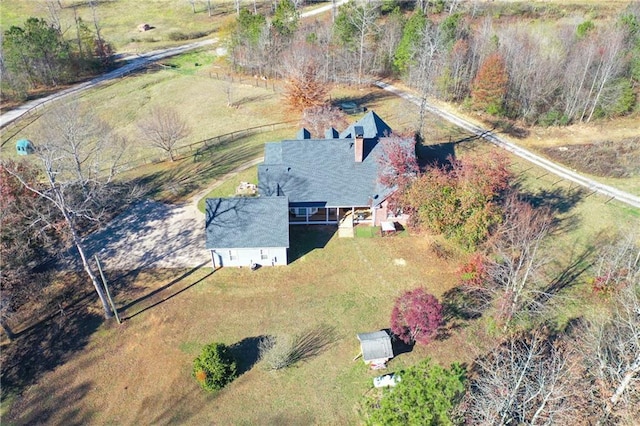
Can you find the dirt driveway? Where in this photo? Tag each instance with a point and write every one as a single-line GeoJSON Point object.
{"type": "Point", "coordinates": [151, 234]}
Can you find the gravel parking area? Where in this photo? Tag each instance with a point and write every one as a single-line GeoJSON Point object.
{"type": "Point", "coordinates": [150, 234]}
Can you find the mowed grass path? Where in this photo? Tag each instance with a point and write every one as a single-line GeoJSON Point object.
{"type": "Point", "coordinates": [140, 372]}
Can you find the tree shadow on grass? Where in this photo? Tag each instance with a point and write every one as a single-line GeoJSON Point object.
{"type": "Point", "coordinates": [247, 352]}
{"type": "Point", "coordinates": [558, 200]}
{"type": "Point", "coordinates": [59, 406]}
{"type": "Point", "coordinates": [159, 295]}
{"type": "Point", "coordinates": [460, 305]}
{"type": "Point", "coordinates": [45, 346]}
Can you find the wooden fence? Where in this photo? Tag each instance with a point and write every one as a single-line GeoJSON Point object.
{"type": "Point", "coordinates": [197, 149]}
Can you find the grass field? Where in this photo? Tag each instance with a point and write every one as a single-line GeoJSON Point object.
{"type": "Point", "coordinates": [140, 372]}
{"type": "Point", "coordinates": [119, 20]}
{"type": "Point", "coordinates": [87, 371]}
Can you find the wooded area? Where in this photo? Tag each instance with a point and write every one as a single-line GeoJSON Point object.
{"type": "Point", "coordinates": [548, 72]}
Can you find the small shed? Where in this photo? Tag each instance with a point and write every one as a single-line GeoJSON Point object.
{"type": "Point", "coordinates": [376, 348]}
{"type": "Point", "coordinates": [24, 147]}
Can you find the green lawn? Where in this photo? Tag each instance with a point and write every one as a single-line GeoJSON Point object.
{"type": "Point", "coordinates": [228, 187]}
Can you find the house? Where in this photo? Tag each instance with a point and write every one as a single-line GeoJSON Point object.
{"type": "Point", "coordinates": [376, 348]}
{"type": "Point", "coordinates": [243, 231]}
{"type": "Point", "coordinates": [330, 181]}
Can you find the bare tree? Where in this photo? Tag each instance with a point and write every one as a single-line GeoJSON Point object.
{"type": "Point", "coordinates": [163, 129]}
{"type": "Point", "coordinates": [525, 380]}
{"type": "Point", "coordinates": [355, 23]}
{"type": "Point", "coordinates": [514, 266]}
{"type": "Point", "coordinates": [78, 155]}
{"type": "Point", "coordinates": [321, 118]}
{"type": "Point", "coordinates": [610, 344]}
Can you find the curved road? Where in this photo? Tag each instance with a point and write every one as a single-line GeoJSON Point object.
{"type": "Point", "coordinates": [550, 166]}
{"type": "Point", "coordinates": [134, 62]}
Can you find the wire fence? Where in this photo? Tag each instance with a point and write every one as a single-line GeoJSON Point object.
{"type": "Point", "coordinates": [197, 149]}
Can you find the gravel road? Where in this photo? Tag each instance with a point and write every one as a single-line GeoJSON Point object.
{"type": "Point", "coordinates": [550, 166]}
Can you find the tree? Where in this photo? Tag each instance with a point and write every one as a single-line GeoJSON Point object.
{"type": "Point", "coordinates": [416, 317]}
{"type": "Point", "coordinates": [285, 18]}
{"type": "Point", "coordinates": [318, 119]}
{"type": "Point", "coordinates": [353, 25]}
{"type": "Point", "coordinates": [513, 268]}
{"type": "Point", "coordinates": [426, 395]}
{"type": "Point", "coordinates": [610, 343]}
{"type": "Point", "coordinates": [36, 51]}
{"type": "Point", "coordinates": [163, 129]}
{"type": "Point", "coordinates": [407, 47]}
{"type": "Point", "coordinates": [304, 86]}
{"type": "Point", "coordinates": [524, 380]}
{"type": "Point", "coordinates": [248, 37]}
{"type": "Point", "coordinates": [78, 156]}
{"type": "Point", "coordinates": [397, 160]}
{"type": "Point", "coordinates": [617, 265]}
{"type": "Point", "coordinates": [28, 232]}
{"type": "Point", "coordinates": [462, 201]}
{"type": "Point", "coordinates": [490, 85]}
{"type": "Point", "coordinates": [214, 368]}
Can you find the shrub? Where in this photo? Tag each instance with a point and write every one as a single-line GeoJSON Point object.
{"type": "Point", "coordinates": [426, 395]}
{"type": "Point", "coordinates": [178, 36]}
{"type": "Point", "coordinates": [284, 351]}
{"type": "Point", "coordinates": [215, 367]}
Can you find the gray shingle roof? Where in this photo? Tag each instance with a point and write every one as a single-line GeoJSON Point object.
{"type": "Point", "coordinates": [323, 171]}
{"type": "Point", "coordinates": [372, 125]}
{"type": "Point", "coordinates": [247, 222]}
{"type": "Point", "coordinates": [375, 345]}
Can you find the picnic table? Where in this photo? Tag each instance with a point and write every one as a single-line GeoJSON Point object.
{"type": "Point", "coordinates": [388, 228]}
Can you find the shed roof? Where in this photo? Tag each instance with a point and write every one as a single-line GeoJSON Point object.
{"type": "Point", "coordinates": [375, 345]}
{"type": "Point", "coordinates": [247, 222]}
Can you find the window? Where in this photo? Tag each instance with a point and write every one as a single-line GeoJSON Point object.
{"type": "Point", "coordinates": [233, 255]}
{"type": "Point", "coordinates": [264, 255]}
{"type": "Point", "coordinates": [302, 211]}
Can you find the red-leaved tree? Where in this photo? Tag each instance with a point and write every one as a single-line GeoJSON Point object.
{"type": "Point", "coordinates": [416, 317]}
{"type": "Point", "coordinates": [397, 164]}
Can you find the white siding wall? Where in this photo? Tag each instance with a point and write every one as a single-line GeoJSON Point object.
{"type": "Point", "coordinates": [268, 256]}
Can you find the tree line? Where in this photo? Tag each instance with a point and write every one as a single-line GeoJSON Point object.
{"type": "Point", "coordinates": [543, 72]}
{"type": "Point", "coordinates": [45, 53]}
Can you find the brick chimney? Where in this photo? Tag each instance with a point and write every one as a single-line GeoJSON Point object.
{"type": "Point", "coordinates": [359, 143]}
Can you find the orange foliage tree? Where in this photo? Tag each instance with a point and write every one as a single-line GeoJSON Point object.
{"type": "Point", "coordinates": [304, 86]}
{"type": "Point", "coordinates": [490, 85]}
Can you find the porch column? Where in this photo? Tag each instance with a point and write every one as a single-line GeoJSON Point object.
{"type": "Point", "coordinates": [213, 259]}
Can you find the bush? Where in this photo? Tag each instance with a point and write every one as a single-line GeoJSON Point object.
{"type": "Point", "coordinates": [177, 36]}
{"type": "Point", "coordinates": [426, 395]}
{"type": "Point", "coordinates": [215, 367]}
{"type": "Point", "coordinates": [284, 351]}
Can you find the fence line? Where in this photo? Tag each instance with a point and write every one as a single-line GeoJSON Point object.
{"type": "Point", "coordinates": [198, 148]}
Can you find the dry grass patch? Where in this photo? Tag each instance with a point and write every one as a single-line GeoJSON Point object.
{"type": "Point", "coordinates": [141, 371]}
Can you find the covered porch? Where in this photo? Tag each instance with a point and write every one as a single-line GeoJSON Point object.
{"type": "Point", "coordinates": [316, 215]}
